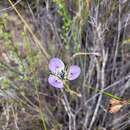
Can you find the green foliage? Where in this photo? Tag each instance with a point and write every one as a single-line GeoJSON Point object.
{"type": "Point", "coordinates": [94, 34]}
{"type": "Point", "coordinates": [4, 82]}
{"type": "Point", "coordinates": [72, 26]}
{"type": "Point", "coordinates": [19, 61]}
{"type": "Point", "coordinates": [66, 21]}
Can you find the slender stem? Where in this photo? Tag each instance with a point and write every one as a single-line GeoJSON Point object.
{"type": "Point", "coordinates": [84, 54]}
{"type": "Point", "coordinates": [30, 30]}
{"type": "Point", "coordinates": [67, 88]}
{"type": "Point", "coordinates": [40, 107]}
{"type": "Point", "coordinates": [3, 65]}
{"type": "Point", "coordinates": [106, 93]}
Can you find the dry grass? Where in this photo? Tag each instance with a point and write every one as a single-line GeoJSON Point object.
{"type": "Point", "coordinates": [95, 34]}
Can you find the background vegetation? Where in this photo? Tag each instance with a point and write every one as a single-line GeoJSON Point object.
{"type": "Point", "coordinates": [94, 34]}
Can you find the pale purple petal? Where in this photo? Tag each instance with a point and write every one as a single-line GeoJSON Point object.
{"type": "Point", "coordinates": [55, 81]}
{"type": "Point", "coordinates": [74, 72]}
{"type": "Point", "coordinates": [55, 64]}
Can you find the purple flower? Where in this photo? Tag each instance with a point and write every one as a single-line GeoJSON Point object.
{"type": "Point", "coordinates": [55, 64]}
{"type": "Point", "coordinates": [55, 81]}
{"type": "Point", "coordinates": [59, 74]}
{"type": "Point", "coordinates": [74, 72]}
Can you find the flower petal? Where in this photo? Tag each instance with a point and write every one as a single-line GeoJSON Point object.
{"type": "Point", "coordinates": [55, 81]}
{"type": "Point", "coordinates": [74, 72]}
{"type": "Point", "coordinates": [55, 64]}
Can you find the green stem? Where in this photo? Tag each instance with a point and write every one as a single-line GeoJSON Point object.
{"type": "Point", "coordinates": [40, 107]}
{"type": "Point", "coordinates": [67, 88]}
{"type": "Point", "coordinates": [3, 65]}
{"type": "Point", "coordinates": [109, 94]}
